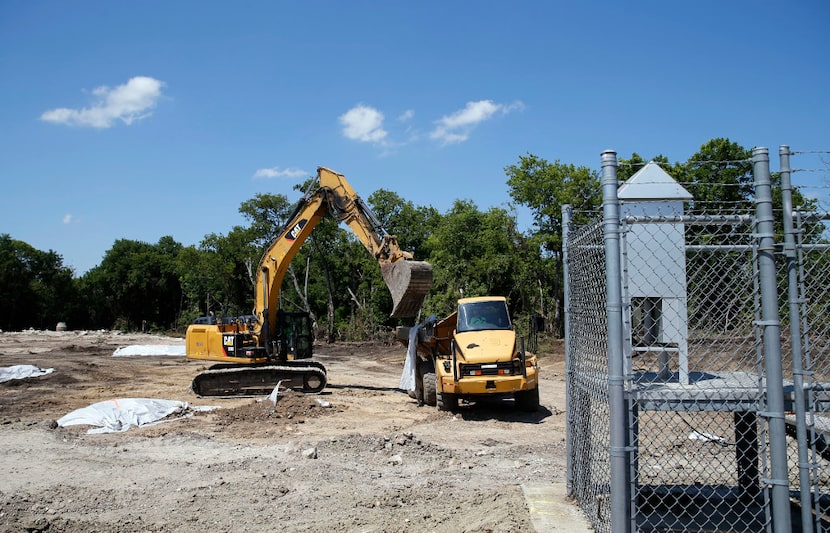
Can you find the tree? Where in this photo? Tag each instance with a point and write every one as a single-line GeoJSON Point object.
{"type": "Point", "coordinates": [136, 286]}
{"type": "Point", "coordinates": [35, 288]}
{"type": "Point", "coordinates": [544, 188]}
{"type": "Point", "coordinates": [267, 214]}
{"type": "Point", "coordinates": [719, 177]}
{"type": "Point", "coordinates": [411, 224]}
{"type": "Point", "coordinates": [628, 167]}
{"type": "Point", "coordinates": [473, 255]}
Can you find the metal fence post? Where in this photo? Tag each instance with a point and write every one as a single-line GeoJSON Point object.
{"type": "Point", "coordinates": [795, 339]}
{"type": "Point", "coordinates": [621, 514]}
{"type": "Point", "coordinates": [772, 341]}
{"type": "Point", "coordinates": [566, 226]}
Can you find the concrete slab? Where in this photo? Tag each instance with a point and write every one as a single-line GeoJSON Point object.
{"type": "Point", "coordinates": [551, 510]}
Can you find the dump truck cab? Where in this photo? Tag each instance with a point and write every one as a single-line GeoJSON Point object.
{"type": "Point", "coordinates": [475, 353]}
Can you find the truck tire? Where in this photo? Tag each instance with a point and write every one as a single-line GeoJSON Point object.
{"type": "Point", "coordinates": [446, 401]}
{"type": "Point", "coordinates": [426, 372]}
{"type": "Point", "coordinates": [429, 388]}
{"type": "Point", "coordinates": [527, 400]}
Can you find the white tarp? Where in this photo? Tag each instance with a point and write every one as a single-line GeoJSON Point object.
{"type": "Point", "coordinates": [113, 416]}
{"type": "Point", "coordinates": [408, 375]}
{"type": "Point", "coordinates": [707, 437]}
{"type": "Point", "coordinates": [22, 371]}
{"type": "Point", "coordinates": [150, 349]}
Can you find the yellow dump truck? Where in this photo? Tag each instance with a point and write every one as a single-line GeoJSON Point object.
{"type": "Point", "coordinates": [471, 354]}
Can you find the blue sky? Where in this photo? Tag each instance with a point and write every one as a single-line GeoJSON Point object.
{"type": "Point", "coordinates": [136, 120]}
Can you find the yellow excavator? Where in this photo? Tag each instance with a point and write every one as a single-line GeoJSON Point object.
{"type": "Point", "coordinates": [272, 346]}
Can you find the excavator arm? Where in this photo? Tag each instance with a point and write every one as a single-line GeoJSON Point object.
{"type": "Point", "coordinates": [408, 281]}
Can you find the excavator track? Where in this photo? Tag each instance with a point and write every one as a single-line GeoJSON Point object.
{"type": "Point", "coordinates": [229, 380]}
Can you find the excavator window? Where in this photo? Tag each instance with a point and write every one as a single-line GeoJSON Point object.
{"type": "Point", "coordinates": [294, 335]}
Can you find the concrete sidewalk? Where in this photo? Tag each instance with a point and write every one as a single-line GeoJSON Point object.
{"type": "Point", "coordinates": [551, 510]}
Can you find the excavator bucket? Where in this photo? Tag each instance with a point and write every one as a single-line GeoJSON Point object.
{"type": "Point", "coordinates": [409, 282]}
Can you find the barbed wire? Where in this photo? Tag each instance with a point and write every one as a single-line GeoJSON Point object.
{"type": "Point", "coordinates": [662, 164]}
{"type": "Point", "coordinates": [699, 184]}
{"type": "Point", "coordinates": [728, 161]}
{"type": "Point", "coordinates": [724, 161]}
{"type": "Point", "coordinates": [811, 187]}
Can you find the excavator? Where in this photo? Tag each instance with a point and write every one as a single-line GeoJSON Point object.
{"type": "Point", "coordinates": [272, 347]}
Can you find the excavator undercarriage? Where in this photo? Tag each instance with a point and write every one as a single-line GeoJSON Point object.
{"type": "Point", "coordinates": [260, 379]}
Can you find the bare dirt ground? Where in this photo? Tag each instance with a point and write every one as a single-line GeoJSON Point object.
{"type": "Point", "coordinates": [373, 460]}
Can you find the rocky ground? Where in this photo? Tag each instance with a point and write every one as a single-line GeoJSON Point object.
{"type": "Point", "coordinates": [365, 457]}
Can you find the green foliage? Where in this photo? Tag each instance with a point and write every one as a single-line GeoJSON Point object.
{"type": "Point", "coordinates": [480, 252]}
{"type": "Point", "coordinates": [719, 176]}
{"type": "Point", "coordinates": [411, 224]}
{"type": "Point", "coordinates": [35, 288]}
{"type": "Point", "coordinates": [628, 167]}
{"type": "Point", "coordinates": [136, 286]}
{"type": "Point", "coordinates": [545, 188]}
{"type": "Point", "coordinates": [267, 214]}
{"type": "Point", "coordinates": [473, 255]}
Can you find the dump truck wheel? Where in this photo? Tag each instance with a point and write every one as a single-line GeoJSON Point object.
{"type": "Point", "coordinates": [528, 400]}
{"type": "Point", "coordinates": [446, 401]}
{"type": "Point", "coordinates": [429, 389]}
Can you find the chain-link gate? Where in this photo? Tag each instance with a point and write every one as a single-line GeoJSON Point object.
{"type": "Point", "coordinates": [722, 412]}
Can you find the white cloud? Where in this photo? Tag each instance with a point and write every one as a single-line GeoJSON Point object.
{"type": "Point", "coordinates": [129, 102]}
{"type": "Point", "coordinates": [67, 218]}
{"type": "Point", "coordinates": [363, 123]}
{"type": "Point", "coordinates": [275, 172]}
{"type": "Point", "coordinates": [456, 127]}
{"type": "Point", "coordinates": [406, 115]}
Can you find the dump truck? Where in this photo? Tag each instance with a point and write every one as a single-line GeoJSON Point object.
{"type": "Point", "coordinates": [472, 354]}
{"type": "Point", "coordinates": [256, 352]}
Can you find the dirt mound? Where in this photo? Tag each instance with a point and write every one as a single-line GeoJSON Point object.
{"type": "Point", "coordinates": [291, 408]}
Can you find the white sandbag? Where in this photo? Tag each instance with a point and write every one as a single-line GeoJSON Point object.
{"type": "Point", "coordinates": [112, 416]}
{"type": "Point", "coordinates": [150, 349]}
{"type": "Point", "coordinates": [22, 371]}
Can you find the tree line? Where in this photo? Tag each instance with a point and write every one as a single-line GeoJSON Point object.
{"type": "Point", "coordinates": [474, 251]}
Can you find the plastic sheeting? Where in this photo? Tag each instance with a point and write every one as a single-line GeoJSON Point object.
{"type": "Point", "coordinates": [113, 416]}
{"type": "Point", "coordinates": [150, 349]}
{"type": "Point", "coordinates": [408, 375]}
{"type": "Point", "coordinates": [22, 371]}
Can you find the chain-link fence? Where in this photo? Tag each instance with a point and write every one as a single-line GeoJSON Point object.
{"type": "Point", "coordinates": [809, 428]}
{"type": "Point", "coordinates": [695, 403]}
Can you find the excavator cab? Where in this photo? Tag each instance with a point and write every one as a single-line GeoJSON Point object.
{"type": "Point", "coordinates": [294, 339]}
